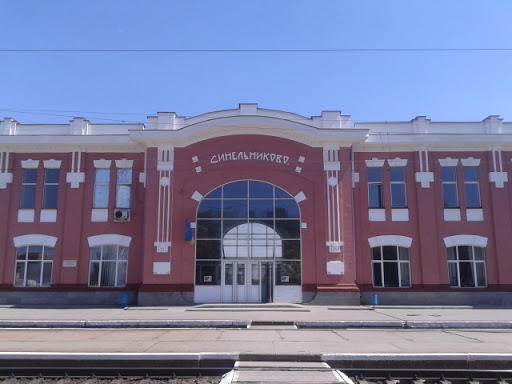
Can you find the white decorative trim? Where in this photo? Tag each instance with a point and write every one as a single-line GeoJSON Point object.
{"type": "Point", "coordinates": [193, 224]}
{"type": "Point", "coordinates": [425, 178]}
{"type": "Point", "coordinates": [448, 162]}
{"type": "Point", "coordinates": [475, 240]}
{"type": "Point", "coordinates": [162, 246]}
{"type": "Point", "coordinates": [48, 216]}
{"type": "Point", "coordinates": [475, 214]}
{"type": "Point", "coordinates": [161, 268]}
{"type": "Point", "coordinates": [399, 214]}
{"type": "Point", "coordinates": [99, 215]}
{"type": "Point", "coordinates": [498, 178]}
{"type": "Point", "coordinates": [5, 178]}
{"type": "Point", "coordinates": [5, 175]}
{"type": "Point", "coordinates": [470, 162]}
{"type": "Point", "coordinates": [195, 159]}
{"type": "Point", "coordinates": [29, 164]}
{"type": "Point", "coordinates": [332, 166]}
{"type": "Point", "coordinates": [398, 240]}
{"type": "Point", "coordinates": [124, 163]}
{"type": "Point", "coordinates": [452, 214]}
{"type": "Point", "coordinates": [397, 162]}
{"type": "Point", "coordinates": [102, 163]}
{"type": "Point", "coordinates": [355, 179]}
{"type": "Point", "coordinates": [26, 215]}
{"type": "Point", "coordinates": [377, 214]}
{"type": "Point", "coordinates": [197, 196]}
{"type": "Point", "coordinates": [302, 159]}
{"type": "Point", "coordinates": [299, 197]}
{"type": "Point", "coordinates": [75, 178]}
{"type": "Point", "coordinates": [374, 162]}
{"type": "Point", "coordinates": [335, 267]}
{"type": "Point", "coordinates": [199, 169]}
{"type": "Point", "coordinates": [298, 169]}
{"type": "Point", "coordinates": [165, 181]}
{"type": "Point", "coordinates": [52, 164]}
{"type": "Point", "coordinates": [303, 225]}
{"type": "Point", "coordinates": [109, 239]}
{"type": "Point", "coordinates": [165, 159]}
{"type": "Point", "coordinates": [165, 166]}
{"type": "Point", "coordinates": [34, 239]}
{"type": "Point", "coordinates": [334, 246]}
{"type": "Point", "coordinates": [142, 178]}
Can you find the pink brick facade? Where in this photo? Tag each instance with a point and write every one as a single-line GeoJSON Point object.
{"type": "Point", "coordinates": [282, 208]}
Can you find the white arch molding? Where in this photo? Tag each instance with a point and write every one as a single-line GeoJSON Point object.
{"type": "Point", "coordinates": [478, 241]}
{"type": "Point", "coordinates": [401, 241]}
{"type": "Point", "coordinates": [35, 239]}
{"type": "Point", "coordinates": [107, 239]}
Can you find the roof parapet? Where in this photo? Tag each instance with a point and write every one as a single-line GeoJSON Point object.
{"type": "Point", "coordinates": [420, 124]}
{"type": "Point", "coordinates": [8, 126]}
{"type": "Point", "coordinates": [493, 124]}
{"type": "Point", "coordinates": [79, 126]}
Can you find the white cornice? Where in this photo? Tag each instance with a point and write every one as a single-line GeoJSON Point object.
{"type": "Point", "coordinates": [251, 125]}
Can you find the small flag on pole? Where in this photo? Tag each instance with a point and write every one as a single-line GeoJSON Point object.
{"type": "Point", "coordinates": [188, 233]}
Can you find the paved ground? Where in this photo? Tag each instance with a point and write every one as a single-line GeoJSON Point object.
{"type": "Point", "coordinates": [460, 337]}
{"type": "Point", "coordinates": [258, 329]}
{"type": "Point", "coordinates": [266, 313]}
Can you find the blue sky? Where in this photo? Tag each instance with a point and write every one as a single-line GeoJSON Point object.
{"type": "Point", "coordinates": [39, 86]}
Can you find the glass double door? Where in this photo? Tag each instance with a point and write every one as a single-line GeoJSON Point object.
{"type": "Point", "coordinates": [247, 281]}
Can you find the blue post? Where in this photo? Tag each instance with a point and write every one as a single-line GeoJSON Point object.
{"type": "Point", "coordinates": [374, 299]}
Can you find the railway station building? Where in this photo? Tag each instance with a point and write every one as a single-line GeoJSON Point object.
{"type": "Point", "coordinates": [253, 205]}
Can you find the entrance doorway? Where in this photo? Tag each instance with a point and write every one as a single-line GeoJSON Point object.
{"type": "Point", "coordinates": [248, 246]}
{"type": "Point", "coordinates": [247, 282]}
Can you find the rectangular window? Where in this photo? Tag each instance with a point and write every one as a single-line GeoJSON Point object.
{"type": "Point", "coordinates": [28, 189]}
{"type": "Point", "coordinates": [124, 188]}
{"type": "Point", "coordinates": [390, 266]}
{"type": "Point", "coordinates": [101, 186]}
{"type": "Point", "coordinates": [51, 188]}
{"type": "Point", "coordinates": [108, 266]}
{"type": "Point", "coordinates": [466, 267]}
{"type": "Point", "coordinates": [449, 180]}
{"type": "Point", "coordinates": [375, 197]}
{"type": "Point", "coordinates": [397, 179]}
{"type": "Point", "coordinates": [471, 187]}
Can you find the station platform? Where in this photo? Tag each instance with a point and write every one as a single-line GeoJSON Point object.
{"type": "Point", "coordinates": [246, 315]}
{"type": "Point", "coordinates": [224, 335]}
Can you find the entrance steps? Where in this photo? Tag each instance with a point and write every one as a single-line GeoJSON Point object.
{"type": "Point", "coordinates": [252, 372]}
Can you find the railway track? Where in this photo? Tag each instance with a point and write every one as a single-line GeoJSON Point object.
{"type": "Point", "coordinates": [204, 368]}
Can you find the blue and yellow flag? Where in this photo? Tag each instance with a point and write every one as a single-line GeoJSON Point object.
{"type": "Point", "coordinates": [188, 233]}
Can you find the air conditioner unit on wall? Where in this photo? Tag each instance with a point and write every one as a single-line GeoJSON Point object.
{"type": "Point", "coordinates": [121, 214]}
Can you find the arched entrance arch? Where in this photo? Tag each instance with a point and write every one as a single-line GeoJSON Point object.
{"type": "Point", "coordinates": [248, 245]}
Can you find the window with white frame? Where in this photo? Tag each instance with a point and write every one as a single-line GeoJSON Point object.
{"type": "Point", "coordinates": [390, 266]}
{"type": "Point", "coordinates": [108, 266]}
{"type": "Point", "coordinates": [466, 266]}
{"type": "Point", "coordinates": [51, 188]}
{"type": "Point", "coordinates": [398, 194]}
{"type": "Point", "coordinates": [28, 189]}
{"type": "Point", "coordinates": [449, 182]}
{"type": "Point", "coordinates": [124, 188]}
{"type": "Point", "coordinates": [471, 187]}
{"type": "Point", "coordinates": [101, 187]}
{"type": "Point", "coordinates": [375, 196]}
{"type": "Point", "coordinates": [34, 265]}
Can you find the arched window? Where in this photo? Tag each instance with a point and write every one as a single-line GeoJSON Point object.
{"type": "Point", "coordinates": [466, 261]}
{"type": "Point", "coordinates": [390, 261]}
{"type": "Point", "coordinates": [34, 260]}
{"type": "Point", "coordinates": [108, 260]}
{"type": "Point", "coordinates": [247, 220]}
